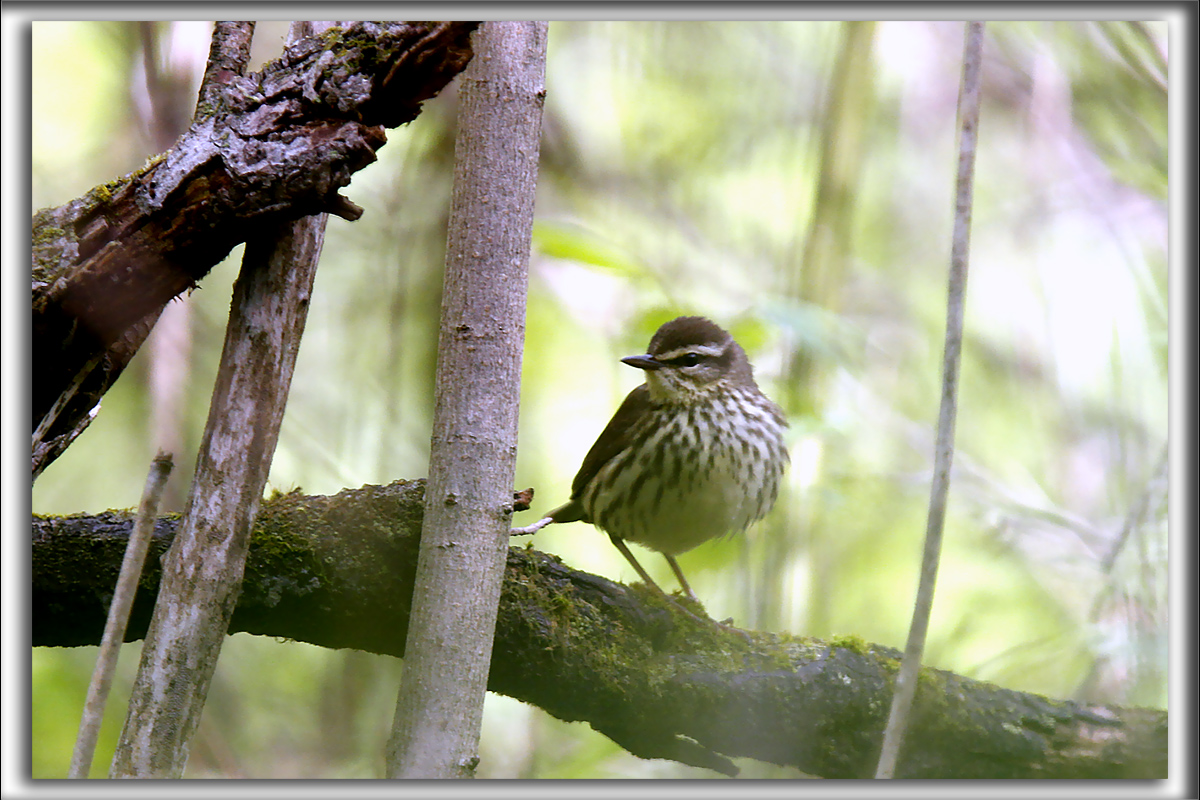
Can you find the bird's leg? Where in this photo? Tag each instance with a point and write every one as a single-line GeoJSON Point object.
{"type": "Point", "coordinates": [534, 528]}
{"type": "Point", "coordinates": [645, 576]}
{"type": "Point", "coordinates": [679, 574]}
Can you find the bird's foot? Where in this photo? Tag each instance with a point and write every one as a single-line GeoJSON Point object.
{"type": "Point", "coordinates": [703, 619]}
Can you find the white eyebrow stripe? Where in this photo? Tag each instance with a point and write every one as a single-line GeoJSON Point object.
{"type": "Point", "coordinates": [698, 349]}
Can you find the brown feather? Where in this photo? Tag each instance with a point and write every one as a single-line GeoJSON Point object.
{"type": "Point", "coordinates": [613, 439]}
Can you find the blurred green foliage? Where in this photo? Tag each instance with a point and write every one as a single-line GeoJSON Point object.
{"type": "Point", "coordinates": [794, 182]}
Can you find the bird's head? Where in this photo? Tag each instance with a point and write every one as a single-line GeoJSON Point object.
{"type": "Point", "coordinates": [690, 358]}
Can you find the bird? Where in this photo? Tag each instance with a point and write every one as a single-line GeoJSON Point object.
{"type": "Point", "coordinates": [695, 452]}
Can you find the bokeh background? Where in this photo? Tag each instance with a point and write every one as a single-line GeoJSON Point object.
{"type": "Point", "coordinates": [791, 180]}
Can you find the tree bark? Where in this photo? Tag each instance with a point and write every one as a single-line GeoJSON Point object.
{"type": "Point", "coordinates": [203, 572]}
{"type": "Point", "coordinates": [473, 454]}
{"type": "Point", "coordinates": [204, 569]}
{"type": "Point", "coordinates": [338, 572]}
{"type": "Point", "coordinates": [271, 148]}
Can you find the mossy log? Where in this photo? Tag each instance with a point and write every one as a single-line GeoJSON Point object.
{"type": "Point", "coordinates": [338, 572]}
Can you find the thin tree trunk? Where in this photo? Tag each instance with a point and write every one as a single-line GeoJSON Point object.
{"type": "Point", "coordinates": [469, 502]}
{"type": "Point", "coordinates": [202, 575]}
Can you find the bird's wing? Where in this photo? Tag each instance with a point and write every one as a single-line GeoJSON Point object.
{"type": "Point", "coordinates": [615, 438]}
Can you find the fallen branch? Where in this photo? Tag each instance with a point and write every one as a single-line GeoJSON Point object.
{"type": "Point", "coordinates": [337, 572]}
{"type": "Point", "coordinates": [267, 148]}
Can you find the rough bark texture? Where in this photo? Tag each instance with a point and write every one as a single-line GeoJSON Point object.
{"type": "Point", "coordinates": [271, 147]}
{"type": "Point", "coordinates": [203, 572]}
{"type": "Point", "coordinates": [473, 454]}
{"type": "Point", "coordinates": [338, 571]}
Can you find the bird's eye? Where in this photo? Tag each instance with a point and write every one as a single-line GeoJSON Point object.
{"type": "Point", "coordinates": [686, 360]}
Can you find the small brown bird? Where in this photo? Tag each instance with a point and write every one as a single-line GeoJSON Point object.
{"type": "Point", "coordinates": [693, 453]}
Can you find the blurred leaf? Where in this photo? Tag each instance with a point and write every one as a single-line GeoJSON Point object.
{"type": "Point", "coordinates": [576, 243]}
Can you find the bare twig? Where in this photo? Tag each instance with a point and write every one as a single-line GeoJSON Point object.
{"type": "Point", "coordinates": [1137, 513]}
{"type": "Point", "coordinates": [906, 680]}
{"type": "Point", "coordinates": [118, 617]}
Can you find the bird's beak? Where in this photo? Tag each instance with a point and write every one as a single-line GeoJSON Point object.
{"type": "Point", "coordinates": [649, 363]}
